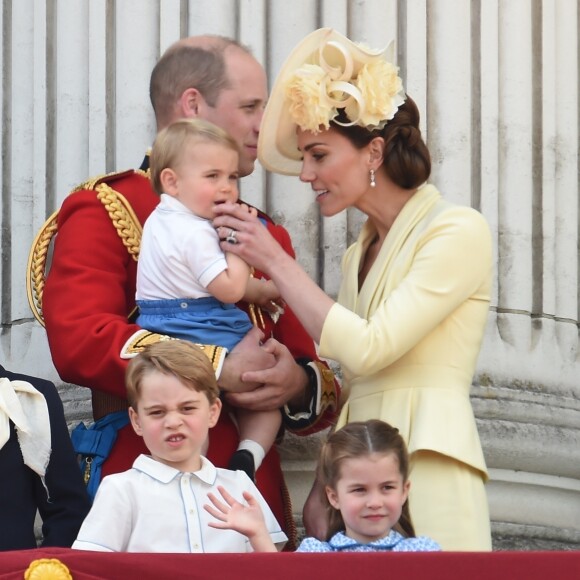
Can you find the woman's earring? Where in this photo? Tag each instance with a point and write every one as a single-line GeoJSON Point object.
{"type": "Point", "coordinates": [372, 178]}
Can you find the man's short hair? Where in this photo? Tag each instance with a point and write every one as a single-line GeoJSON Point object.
{"type": "Point", "coordinates": [187, 64]}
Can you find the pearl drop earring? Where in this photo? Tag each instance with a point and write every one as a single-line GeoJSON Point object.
{"type": "Point", "coordinates": [372, 178]}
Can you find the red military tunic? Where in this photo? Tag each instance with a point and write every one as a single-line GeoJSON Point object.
{"type": "Point", "coordinates": [88, 297]}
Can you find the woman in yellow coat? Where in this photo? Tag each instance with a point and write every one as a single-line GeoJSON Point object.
{"type": "Point", "coordinates": [409, 320]}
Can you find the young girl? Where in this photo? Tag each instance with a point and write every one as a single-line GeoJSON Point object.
{"type": "Point", "coordinates": [363, 468]}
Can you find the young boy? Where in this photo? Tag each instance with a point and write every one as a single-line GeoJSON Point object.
{"type": "Point", "coordinates": [186, 286]}
{"type": "Point", "coordinates": [157, 505]}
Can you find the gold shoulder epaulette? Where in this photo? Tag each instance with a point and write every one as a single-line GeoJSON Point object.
{"type": "Point", "coordinates": [120, 213]}
{"type": "Point", "coordinates": [104, 178]}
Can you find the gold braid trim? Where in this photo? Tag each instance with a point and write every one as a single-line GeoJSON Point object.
{"type": "Point", "coordinates": [140, 340]}
{"type": "Point", "coordinates": [123, 217]}
{"type": "Point", "coordinates": [214, 353]}
{"type": "Point", "coordinates": [91, 183]}
{"type": "Point", "coordinates": [143, 338]}
{"type": "Point", "coordinates": [36, 267]}
{"type": "Point", "coordinates": [254, 311]}
{"type": "Point", "coordinates": [328, 395]}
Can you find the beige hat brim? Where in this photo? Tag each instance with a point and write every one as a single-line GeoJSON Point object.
{"type": "Point", "coordinates": [277, 143]}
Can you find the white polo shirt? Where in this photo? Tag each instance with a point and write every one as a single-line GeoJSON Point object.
{"type": "Point", "coordinates": [155, 508]}
{"type": "Point", "coordinates": [180, 253]}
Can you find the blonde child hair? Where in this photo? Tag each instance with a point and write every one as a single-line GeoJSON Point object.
{"type": "Point", "coordinates": [171, 142]}
{"type": "Point", "coordinates": [180, 358]}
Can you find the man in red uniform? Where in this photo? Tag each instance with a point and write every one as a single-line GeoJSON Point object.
{"type": "Point", "coordinates": [89, 294]}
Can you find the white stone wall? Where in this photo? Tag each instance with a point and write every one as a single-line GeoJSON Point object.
{"type": "Point", "coordinates": [497, 82]}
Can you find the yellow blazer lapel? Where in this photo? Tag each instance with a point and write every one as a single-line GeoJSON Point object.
{"type": "Point", "coordinates": [394, 259]}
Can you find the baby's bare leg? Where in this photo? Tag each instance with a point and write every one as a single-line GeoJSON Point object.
{"type": "Point", "coordinates": [259, 426]}
{"type": "Point", "coordinates": [258, 430]}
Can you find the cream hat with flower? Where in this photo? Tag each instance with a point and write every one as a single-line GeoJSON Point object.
{"type": "Point", "coordinates": [326, 72]}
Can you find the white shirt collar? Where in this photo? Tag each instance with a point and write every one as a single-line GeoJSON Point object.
{"type": "Point", "coordinates": [169, 203]}
{"type": "Point", "coordinates": [164, 473]}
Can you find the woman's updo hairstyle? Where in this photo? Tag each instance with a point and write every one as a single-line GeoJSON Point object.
{"type": "Point", "coordinates": [406, 158]}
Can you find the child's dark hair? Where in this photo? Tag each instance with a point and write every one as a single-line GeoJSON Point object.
{"type": "Point", "coordinates": [356, 440]}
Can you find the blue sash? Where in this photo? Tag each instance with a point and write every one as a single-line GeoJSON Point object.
{"type": "Point", "coordinates": [94, 445]}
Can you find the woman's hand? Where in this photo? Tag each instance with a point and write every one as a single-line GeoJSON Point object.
{"type": "Point", "coordinates": [248, 238]}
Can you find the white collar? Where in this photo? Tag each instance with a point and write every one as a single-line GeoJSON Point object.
{"type": "Point", "coordinates": [164, 473]}
{"type": "Point", "coordinates": [172, 204]}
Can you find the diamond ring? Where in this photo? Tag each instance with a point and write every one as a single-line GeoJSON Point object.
{"type": "Point", "coordinates": [231, 237]}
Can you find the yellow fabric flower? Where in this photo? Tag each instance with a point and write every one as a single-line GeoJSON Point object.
{"type": "Point", "coordinates": [309, 106]}
{"type": "Point", "coordinates": [382, 92]}
{"type": "Point", "coordinates": [315, 92]}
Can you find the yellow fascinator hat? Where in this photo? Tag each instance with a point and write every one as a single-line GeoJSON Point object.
{"type": "Point", "coordinates": [325, 73]}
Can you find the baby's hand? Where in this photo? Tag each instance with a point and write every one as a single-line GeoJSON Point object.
{"type": "Point", "coordinates": [251, 210]}
{"type": "Point", "coordinates": [264, 294]}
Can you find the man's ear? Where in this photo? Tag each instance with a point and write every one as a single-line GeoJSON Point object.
{"type": "Point", "coordinates": [135, 422]}
{"type": "Point", "coordinates": [169, 181]}
{"type": "Point", "coordinates": [192, 104]}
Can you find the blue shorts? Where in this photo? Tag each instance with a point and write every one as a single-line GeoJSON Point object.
{"type": "Point", "coordinates": [201, 320]}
